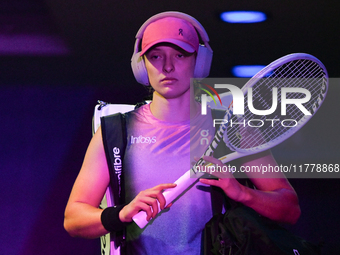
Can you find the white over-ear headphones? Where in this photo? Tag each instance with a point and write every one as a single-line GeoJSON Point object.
{"type": "Point", "coordinates": [204, 54]}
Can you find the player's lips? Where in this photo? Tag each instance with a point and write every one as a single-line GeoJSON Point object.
{"type": "Point", "coordinates": [168, 80]}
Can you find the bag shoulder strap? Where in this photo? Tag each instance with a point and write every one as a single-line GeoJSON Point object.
{"type": "Point", "coordinates": [114, 141]}
{"type": "Point", "coordinates": [218, 198]}
{"type": "Point", "coordinates": [217, 195]}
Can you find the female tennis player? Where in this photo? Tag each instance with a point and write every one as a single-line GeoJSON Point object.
{"type": "Point", "coordinates": [159, 151]}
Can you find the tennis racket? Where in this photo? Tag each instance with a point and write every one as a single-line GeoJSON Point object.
{"type": "Point", "coordinates": [283, 76]}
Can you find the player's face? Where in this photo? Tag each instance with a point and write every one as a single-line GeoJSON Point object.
{"type": "Point", "coordinates": [170, 69]}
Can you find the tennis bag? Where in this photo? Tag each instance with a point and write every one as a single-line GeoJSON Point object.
{"type": "Point", "coordinates": [112, 119]}
{"type": "Point", "coordinates": [242, 231]}
{"type": "Point", "coordinates": [112, 122]}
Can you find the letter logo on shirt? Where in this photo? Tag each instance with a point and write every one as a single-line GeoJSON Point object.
{"type": "Point", "coordinates": [142, 139]}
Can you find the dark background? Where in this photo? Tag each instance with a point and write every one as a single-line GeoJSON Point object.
{"type": "Point", "coordinates": [57, 58]}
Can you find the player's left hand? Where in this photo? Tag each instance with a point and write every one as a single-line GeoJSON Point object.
{"type": "Point", "coordinates": [226, 181]}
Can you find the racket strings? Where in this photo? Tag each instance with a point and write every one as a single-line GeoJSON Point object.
{"type": "Point", "coordinates": [310, 76]}
{"type": "Point", "coordinates": [251, 131]}
{"type": "Point", "coordinates": [298, 69]}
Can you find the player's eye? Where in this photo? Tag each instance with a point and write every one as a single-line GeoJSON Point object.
{"type": "Point", "coordinates": [153, 55]}
{"type": "Point", "coordinates": [183, 54]}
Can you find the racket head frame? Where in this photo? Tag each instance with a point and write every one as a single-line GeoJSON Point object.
{"type": "Point", "coordinates": [316, 105]}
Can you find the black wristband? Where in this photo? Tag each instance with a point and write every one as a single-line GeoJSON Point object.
{"type": "Point", "coordinates": [110, 219]}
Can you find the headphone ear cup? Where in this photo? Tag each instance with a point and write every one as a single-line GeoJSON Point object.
{"type": "Point", "coordinates": [203, 62]}
{"type": "Point", "coordinates": [139, 69]}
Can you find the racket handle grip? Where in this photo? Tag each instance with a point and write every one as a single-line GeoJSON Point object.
{"type": "Point", "coordinates": [170, 195]}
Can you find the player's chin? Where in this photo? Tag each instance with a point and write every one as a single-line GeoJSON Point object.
{"type": "Point", "coordinates": [173, 93]}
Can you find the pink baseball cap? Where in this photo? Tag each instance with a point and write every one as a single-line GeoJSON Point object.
{"type": "Point", "coordinates": [172, 30]}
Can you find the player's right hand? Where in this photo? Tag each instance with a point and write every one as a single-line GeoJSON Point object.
{"type": "Point", "coordinates": [146, 200]}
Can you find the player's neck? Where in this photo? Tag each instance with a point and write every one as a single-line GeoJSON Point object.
{"type": "Point", "coordinates": [173, 110]}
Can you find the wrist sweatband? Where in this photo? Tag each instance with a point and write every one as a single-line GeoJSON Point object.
{"type": "Point", "coordinates": [110, 219]}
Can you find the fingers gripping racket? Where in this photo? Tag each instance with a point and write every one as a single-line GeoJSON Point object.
{"type": "Point", "coordinates": [286, 77]}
